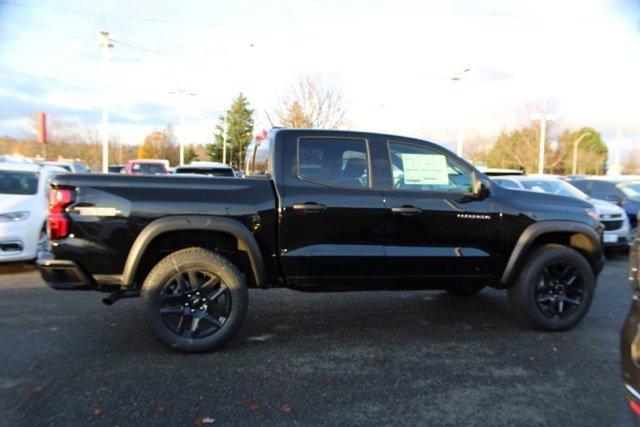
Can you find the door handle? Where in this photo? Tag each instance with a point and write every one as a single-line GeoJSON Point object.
{"type": "Point", "coordinates": [406, 210]}
{"type": "Point", "coordinates": [309, 207]}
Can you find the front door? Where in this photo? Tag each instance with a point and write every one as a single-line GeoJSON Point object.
{"type": "Point", "coordinates": [331, 219]}
{"type": "Point", "coordinates": [439, 227]}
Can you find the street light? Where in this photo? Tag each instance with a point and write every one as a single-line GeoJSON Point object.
{"type": "Point", "coordinates": [543, 118]}
{"type": "Point", "coordinates": [575, 151]}
{"type": "Point", "coordinates": [105, 42]}
{"type": "Point", "coordinates": [185, 95]}
{"type": "Point", "coordinates": [456, 77]}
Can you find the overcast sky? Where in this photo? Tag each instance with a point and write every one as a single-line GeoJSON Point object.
{"type": "Point", "coordinates": [392, 60]}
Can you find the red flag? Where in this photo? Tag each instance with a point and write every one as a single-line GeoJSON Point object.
{"type": "Point", "coordinates": [262, 135]}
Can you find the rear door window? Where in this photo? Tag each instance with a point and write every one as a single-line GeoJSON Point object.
{"type": "Point", "coordinates": [340, 162]}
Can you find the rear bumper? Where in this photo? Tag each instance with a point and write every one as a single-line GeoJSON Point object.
{"type": "Point", "coordinates": [63, 275]}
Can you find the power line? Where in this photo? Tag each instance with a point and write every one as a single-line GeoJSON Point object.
{"type": "Point", "coordinates": [191, 23]}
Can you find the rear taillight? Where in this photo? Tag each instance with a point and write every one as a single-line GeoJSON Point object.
{"type": "Point", "coordinates": [58, 223]}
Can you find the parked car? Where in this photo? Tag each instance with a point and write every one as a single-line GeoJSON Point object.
{"type": "Point", "coordinates": [206, 168]}
{"type": "Point", "coordinates": [320, 211]}
{"type": "Point", "coordinates": [630, 336]}
{"type": "Point", "coordinates": [74, 167]}
{"type": "Point", "coordinates": [116, 168]}
{"type": "Point", "coordinates": [23, 209]}
{"type": "Point", "coordinates": [499, 171]}
{"type": "Point", "coordinates": [624, 192]}
{"type": "Point", "coordinates": [617, 228]}
{"type": "Point", "coordinates": [146, 167]}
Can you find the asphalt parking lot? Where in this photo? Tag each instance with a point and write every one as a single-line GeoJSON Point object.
{"type": "Point", "coordinates": [351, 358]}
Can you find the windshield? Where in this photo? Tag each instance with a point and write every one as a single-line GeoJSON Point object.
{"type": "Point", "coordinates": [560, 188]}
{"type": "Point", "coordinates": [149, 168]}
{"type": "Point", "coordinates": [13, 182]}
{"type": "Point", "coordinates": [631, 190]}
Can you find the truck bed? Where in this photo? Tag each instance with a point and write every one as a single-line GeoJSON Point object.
{"type": "Point", "coordinates": [110, 211]}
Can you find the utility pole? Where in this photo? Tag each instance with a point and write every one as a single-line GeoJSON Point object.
{"type": "Point", "coordinates": [615, 167]}
{"type": "Point", "coordinates": [575, 151]}
{"type": "Point", "coordinates": [185, 96]}
{"type": "Point", "coordinates": [105, 42]}
{"type": "Point", "coordinates": [224, 140]}
{"type": "Point", "coordinates": [543, 118]}
{"type": "Point", "coordinates": [457, 77]}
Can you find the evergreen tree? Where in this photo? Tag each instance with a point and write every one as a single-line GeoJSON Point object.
{"type": "Point", "coordinates": [239, 133]}
{"type": "Point", "coordinates": [190, 155]}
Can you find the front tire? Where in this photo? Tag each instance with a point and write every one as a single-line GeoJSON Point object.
{"type": "Point", "coordinates": [555, 289]}
{"type": "Point", "coordinates": [195, 300]}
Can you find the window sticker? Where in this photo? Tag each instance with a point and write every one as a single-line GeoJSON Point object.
{"type": "Point", "coordinates": [425, 169]}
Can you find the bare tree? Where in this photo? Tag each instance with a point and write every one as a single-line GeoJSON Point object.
{"type": "Point", "coordinates": [310, 103]}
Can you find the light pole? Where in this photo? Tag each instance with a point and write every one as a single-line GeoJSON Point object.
{"type": "Point", "coordinates": [224, 140]}
{"type": "Point", "coordinates": [456, 77]}
{"type": "Point", "coordinates": [575, 151]}
{"type": "Point", "coordinates": [185, 95]}
{"type": "Point", "coordinates": [543, 118]}
{"type": "Point", "coordinates": [105, 42]}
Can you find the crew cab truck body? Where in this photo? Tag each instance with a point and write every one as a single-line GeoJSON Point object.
{"type": "Point", "coordinates": [319, 211]}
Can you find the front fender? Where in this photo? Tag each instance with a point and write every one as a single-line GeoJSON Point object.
{"type": "Point", "coordinates": [581, 235]}
{"type": "Point", "coordinates": [246, 241]}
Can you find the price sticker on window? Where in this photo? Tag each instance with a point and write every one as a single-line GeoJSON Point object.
{"type": "Point", "coordinates": [425, 169]}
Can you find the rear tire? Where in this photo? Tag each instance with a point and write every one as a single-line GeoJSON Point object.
{"type": "Point", "coordinates": [195, 300]}
{"type": "Point", "coordinates": [464, 291]}
{"type": "Point", "coordinates": [555, 289]}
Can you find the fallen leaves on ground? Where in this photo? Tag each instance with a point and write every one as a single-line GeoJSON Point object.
{"type": "Point", "coordinates": [252, 406]}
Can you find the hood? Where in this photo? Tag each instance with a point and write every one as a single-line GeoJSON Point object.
{"type": "Point", "coordinates": [19, 202]}
{"type": "Point", "coordinates": [606, 208]}
{"type": "Point", "coordinates": [546, 198]}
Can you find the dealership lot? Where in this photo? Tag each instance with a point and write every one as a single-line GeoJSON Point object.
{"type": "Point", "coordinates": [389, 357]}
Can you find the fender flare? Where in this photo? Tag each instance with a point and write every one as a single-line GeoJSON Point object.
{"type": "Point", "coordinates": [532, 232]}
{"type": "Point", "coordinates": [246, 241]}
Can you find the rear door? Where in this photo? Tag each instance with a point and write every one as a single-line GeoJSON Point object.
{"type": "Point", "coordinates": [439, 229]}
{"type": "Point", "coordinates": [332, 214]}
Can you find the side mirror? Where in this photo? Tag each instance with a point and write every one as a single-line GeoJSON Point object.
{"type": "Point", "coordinates": [479, 189]}
{"type": "Point", "coordinates": [476, 185]}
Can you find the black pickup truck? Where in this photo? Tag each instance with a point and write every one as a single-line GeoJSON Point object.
{"type": "Point", "coordinates": [318, 211]}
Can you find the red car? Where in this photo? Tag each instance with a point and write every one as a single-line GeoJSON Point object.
{"type": "Point", "coordinates": [146, 167]}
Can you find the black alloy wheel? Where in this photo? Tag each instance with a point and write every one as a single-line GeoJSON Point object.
{"type": "Point", "coordinates": [195, 300]}
{"type": "Point", "coordinates": [554, 289]}
{"type": "Point", "coordinates": [195, 303]}
{"type": "Point", "coordinates": [560, 290]}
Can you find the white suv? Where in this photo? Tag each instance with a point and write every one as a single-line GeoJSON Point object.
{"type": "Point", "coordinates": [23, 209]}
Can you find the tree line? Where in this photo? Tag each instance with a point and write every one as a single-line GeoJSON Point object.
{"type": "Point", "coordinates": [519, 148]}
{"type": "Point", "coordinates": [310, 103]}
